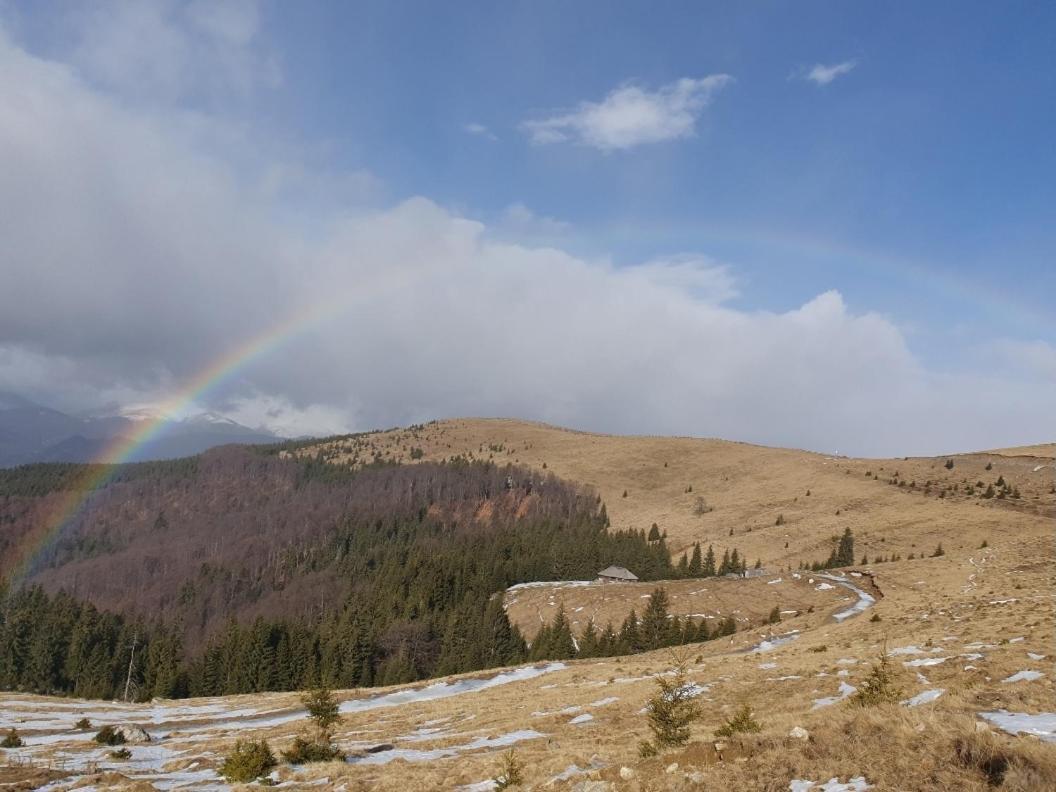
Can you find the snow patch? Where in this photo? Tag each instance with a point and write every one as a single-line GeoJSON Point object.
{"type": "Point", "coordinates": [1024, 676]}
{"type": "Point", "coordinates": [924, 698]}
{"type": "Point", "coordinates": [855, 784]}
{"type": "Point", "coordinates": [844, 691]}
{"type": "Point", "coordinates": [1042, 725]}
{"type": "Point", "coordinates": [441, 690]}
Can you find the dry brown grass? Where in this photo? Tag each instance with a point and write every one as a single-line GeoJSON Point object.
{"type": "Point", "coordinates": [944, 606]}
{"type": "Point", "coordinates": [748, 601]}
{"type": "Point", "coordinates": [748, 487]}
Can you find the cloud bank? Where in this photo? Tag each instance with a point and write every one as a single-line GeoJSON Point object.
{"type": "Point", "coordinates": [142, 244]}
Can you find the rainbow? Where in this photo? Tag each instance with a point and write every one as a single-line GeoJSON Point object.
{"type": "Point", "coordinates": [102, 467]}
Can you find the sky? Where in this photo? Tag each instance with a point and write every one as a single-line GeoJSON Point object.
{"type": "Point", "coordinates": [821, 225]}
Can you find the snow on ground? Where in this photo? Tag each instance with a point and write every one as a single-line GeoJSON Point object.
{"type": "Point", "coordinates": [906, 650]}
{"type": "Point", "coordinates": [586, 717]}
{"type": "Point", "coordinates": [1024, 676]}
{"type": "Point", "coordinates": [925, 661]}
{"type": "Point", "coordinates": [410, 755]}
{"type": "Point", "coordinates": [553, 584]}
{"type": "Point", "coordinates": [769, 644]}
{"type": "Point", "coordinates": [441, 690]}
{"type": "Point", "coordinates": [924, 698]}
{"type": "Point", "coordinates": [832, 785]}
{"type": "Point", "coordinates": [865, 601]}
{"type": "Point", "coordinates": [1042, 725]}
{"type": "Point", "coordinates": [844, 691]}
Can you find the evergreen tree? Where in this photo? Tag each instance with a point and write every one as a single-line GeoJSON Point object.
{"type": "Point", "coordinates": [709, 563]}
{"type": "Point", "coordinates": [655, 630]}
{"type": "Point", "coordinates": [695, 563]}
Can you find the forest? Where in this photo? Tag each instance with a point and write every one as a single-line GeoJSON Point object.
{"type": "Point", "coordinates": [275, 573]}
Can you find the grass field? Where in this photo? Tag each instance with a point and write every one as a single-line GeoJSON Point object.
{"type": "Point", "coordinates": [970, 632]}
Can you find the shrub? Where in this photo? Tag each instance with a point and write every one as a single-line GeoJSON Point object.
{"type": "Point", "coordinates": [949, 464]}
{"type": "Point", "coordinates": [83, 723]}
{"type": "Point", "coordinates": [511, 771]}
{"type": "Point", "coordinates": [322, 708]}
{"type": "Point", "coordinates": [121, 754]}
{"type": "Point", "coordinates": [938, 551]}
{"type": "Point", "coordinates": [306, 750]}
{"type": "Point", "coordinates": [248, 761]}
{"type": "Point", "coordinates": [880, 686]}
{"type": "Point", "coordinates": [780, 520]}
{"type": "Point", "coordinates": [741, 723]}
{"type": "Point", "coordinates": [11, 739]}
{"type": "Point", "coordinates": [875, 617]}
{"type": "Point", "coordinates": [775, 616]}
{"type": "Point", "coordinates": [671, 710]}
{"type": "Point", "coordinates": [108, 735]}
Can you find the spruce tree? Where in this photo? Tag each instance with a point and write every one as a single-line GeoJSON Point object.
{"type": "Point", "coordinates": [696, 564]}
{"type": "Point", "coordinates": [709, 563]}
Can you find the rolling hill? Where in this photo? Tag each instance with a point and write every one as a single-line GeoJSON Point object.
{"type": "Point", "coordinates": [968, 632]}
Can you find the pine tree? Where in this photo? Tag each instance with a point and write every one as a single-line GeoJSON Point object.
{"type": "Point", "coordinates": [655, 630]}
{"type": "Point", "coordinates": [671, 711]}
{"type": "Point", "coordinates": [845, 550]}
{"type": "Point", "coordinates": [709, 563]}
{"type": "Point", "coordinates": [695, 563]}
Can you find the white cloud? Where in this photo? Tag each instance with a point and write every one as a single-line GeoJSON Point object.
{"type": "Point", "coordinates": [138, 253]}
{"type": "Point", "coordinates": [165, 50]}
{"type": "Point", "coordinates": [823, 75]}
{"type": "Point", "coordinates": [631, 116]}
{"type": "Point", "coordinates": [480, 131]}
{"type": "Point", "coordinates": [519, 221]}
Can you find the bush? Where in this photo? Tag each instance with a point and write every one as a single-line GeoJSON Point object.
{"type": "Point", "coordinates": [304, 751]}
{"type": "Point", "coordinates": [511, 772]}
{"type": "Point", "coordinates": [11, 739]}
{"type": "Point", "coordinates": [248, 761]}
{"type": "Point", "coordinates": [83, 723]}
{"type": "Point", "coordinates": [322, 708]}
{"type": "Point", "coordinates": [880, 686]}
{"type": "Point", "coordinates": [671, 711]}
{"type": "Point", "coordinates": [108, 735]}
{"type": "Point", "coordinates": [121, 754]}
{"type": "Point", "coordinates": [741, 723]}
{"type": "Point", "coordinates": [775, 616]}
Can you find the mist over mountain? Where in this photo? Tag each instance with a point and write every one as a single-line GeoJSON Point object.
{"type": "Point", "coordinates": [32, 432]}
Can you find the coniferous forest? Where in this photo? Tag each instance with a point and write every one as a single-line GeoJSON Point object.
{"type": "Point", "coordinates": [246, 570]}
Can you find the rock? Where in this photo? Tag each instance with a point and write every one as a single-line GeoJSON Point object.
{"type": "Point", "coordinates": [626, 773]}
{"type": "Point", "coordinates": [720, 746]}
{"type": "Point", "coordinates": [379, 748]}
{"type": "Point", "coordinates": [132, 734]}
{"type": "Point", "coordinates": [799, 733]}
{"type": "Point", "coordinates": [672, 768]}
{"type": "Point", "coordinates": [981, 728]}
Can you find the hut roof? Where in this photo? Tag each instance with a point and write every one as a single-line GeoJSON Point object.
{"type": "Point", "coordinates": [618, 573]}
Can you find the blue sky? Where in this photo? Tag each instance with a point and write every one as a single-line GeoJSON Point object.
{"type": "Point", "coordinates": [931, 154]}
{"type": "Point", "coordinates": [897, 155]}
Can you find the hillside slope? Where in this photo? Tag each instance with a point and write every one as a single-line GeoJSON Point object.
{"type": "Point", "coordinates": [970, 635]}
{"type": "Point", "coordinates": [746, 488]}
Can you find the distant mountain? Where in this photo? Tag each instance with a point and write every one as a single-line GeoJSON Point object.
{"type": "Point", "coordinates": [31, 432]}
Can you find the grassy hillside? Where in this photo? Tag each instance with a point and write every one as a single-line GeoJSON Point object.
{"type": "Point", "coordinates": [748, 489]}
{"type": "Point", "coordinates": [970, 635]}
